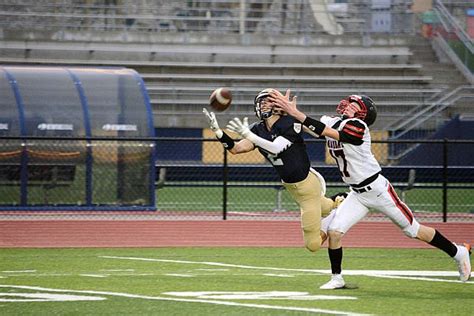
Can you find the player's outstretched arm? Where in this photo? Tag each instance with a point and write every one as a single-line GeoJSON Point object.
{"type": "Point", "coordinates": [225, 139]}
{"type": "Point", "coordinates": [242, 146]}
{"type": "Point", "coordinates": [275, 147]}
{"type": "Point", "coordinates": [213, 125]}
{"type": "Point", "coordinates": [283, 103]}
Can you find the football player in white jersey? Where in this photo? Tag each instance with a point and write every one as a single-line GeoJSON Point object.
{"type": "Point", "coordinates": [279, 138]}
{"type": "Point", "coordinates": [349, 141]}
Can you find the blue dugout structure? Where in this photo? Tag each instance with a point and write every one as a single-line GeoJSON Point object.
{"type": "Point", "coordinates": [84, 174]}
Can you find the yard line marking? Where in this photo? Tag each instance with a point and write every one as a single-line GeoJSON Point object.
{"type": "Point", "coordinates": [279, 275]}
{"type": "Point", "coordinates": [212, 270]}
{"type": "Point", "coordinates": [46, 297]}
{"type": "Point", "coordinates": [401, 272]}
{"type": "Point", "coordinates": [374, 273]}
{"type": "Point", "coordinates": [270, 295]}
{"type": "Point", "coordinates": [20, 271]}
{"type": "Point", "coordinates": [421, 279]}
{"type": "Point", "coordinates": [118, 270]}
{"type": "Point", "coordinates": [133, 274]}
{"type": "Point", "coordinates": [39, 275]}
{"type": "Point", "coordinates": [160, 298]}
{"type": "Point", "coordinates": [218, 264]}
{"type": "Point", "coordinates": [180, 275]}
{"type": "Point", "coordinates": [93, 275]}
{"type": "Point", "coordinates": [83, 274]}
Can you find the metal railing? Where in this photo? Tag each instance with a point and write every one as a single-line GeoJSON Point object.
{"type": "Point", "coordinates": [448, 28]}
{"type": "Point", "coordinates": [419, 115]}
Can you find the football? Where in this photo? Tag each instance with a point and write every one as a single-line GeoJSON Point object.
{"type": "Point", "coordinates": [220, 99]}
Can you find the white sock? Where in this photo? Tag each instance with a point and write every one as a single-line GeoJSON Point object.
{"type": "Point", "coordinates": [459, 253]}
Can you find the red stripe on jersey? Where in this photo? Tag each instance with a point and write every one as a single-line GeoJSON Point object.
{"type": "Point", "coordinates": [400, 205]}
{"type": "Point", "coordinates": [355, 134]}
{"type": "Point", "coordinates": [355, 128]}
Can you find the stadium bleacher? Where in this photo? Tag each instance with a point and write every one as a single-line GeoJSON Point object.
{"type": "Point", "coordinates": [184, 53]}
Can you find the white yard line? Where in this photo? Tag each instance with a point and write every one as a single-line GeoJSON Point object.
{"type": "Point", "coordinates": [421, 279]}
{"type": "Point", "coordinates": [218, 264]}
{"type": "Point", "coordinates": [213, 302]}
{"type": "Point", "coordinates": [401, 274]}
{"type": "Point", "coordinates": [180, 275]}
{"type": "Point", "coordinates": [279, 275]}
{"type": "Point", "coordinates": [93, 275]}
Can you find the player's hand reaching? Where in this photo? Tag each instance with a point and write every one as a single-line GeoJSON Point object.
{"type": "Point", "coordinates": [214, 126]}
{"type": "Point", "coordinates": [284, 103]}
{"type": "Point", "coordinates": [240, 127]}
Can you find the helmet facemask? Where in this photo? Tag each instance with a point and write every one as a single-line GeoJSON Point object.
{"type": "Point", "coordinates": [345, 103]}
{"type": "Point", "coordinates": [258, 102]}
{"type": "Point", "coordinates": [259, 110]}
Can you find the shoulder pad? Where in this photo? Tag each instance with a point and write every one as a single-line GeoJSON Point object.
{"type": "Point", "coordinates": [329, 120]}
{"type": "Point", "coordinates": [354, 121]}
{"type": "Point", "coordinates": [354, 128]}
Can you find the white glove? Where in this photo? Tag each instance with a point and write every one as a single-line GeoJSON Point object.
{"type": "Point", "coordinates": [241, 128]}
{"type": "Point", "coordinates": [213, 123]}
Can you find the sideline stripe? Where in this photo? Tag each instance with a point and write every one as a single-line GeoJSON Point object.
{"type": "Point", "coordinates": [158, 298]}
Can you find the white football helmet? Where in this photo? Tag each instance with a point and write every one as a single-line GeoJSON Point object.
{"type": "Point", "coordinates": [258, 102]}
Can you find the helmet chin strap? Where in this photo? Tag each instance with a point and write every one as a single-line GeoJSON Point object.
{"type": "Point", "coordinates": [345, 117]}
{"type": "Point", "coordinates": [266, 115]}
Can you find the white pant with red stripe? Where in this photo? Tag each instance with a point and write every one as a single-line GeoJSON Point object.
{"type": "Point", "coordinates": [381, 197]}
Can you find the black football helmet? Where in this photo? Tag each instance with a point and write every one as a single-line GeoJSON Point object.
{"type": "Point", "coordinates": [262, 95]}
{"type": "Point", "coordinates": [368, 112]}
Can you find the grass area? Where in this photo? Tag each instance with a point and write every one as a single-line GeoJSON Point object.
{"type": "Point", "coordinates": [265, 199]}
{"type": "Point", "coordinates": [240, 199]}
{"type": "Point", "coordinates": [281, 281]}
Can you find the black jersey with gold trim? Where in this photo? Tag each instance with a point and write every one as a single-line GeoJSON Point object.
{"type": "Point", "coordinates": [293, 163]}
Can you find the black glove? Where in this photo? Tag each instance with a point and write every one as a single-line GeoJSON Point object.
{"type": "Point", "coordinates": [343, 194]}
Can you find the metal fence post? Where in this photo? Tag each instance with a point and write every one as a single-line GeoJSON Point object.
{"type": "Point", "coordinates": [225, 174]}
{"type": "Point", "coordinates": [445, 180]}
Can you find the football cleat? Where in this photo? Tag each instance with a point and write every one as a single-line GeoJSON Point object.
{"type": "Point", "coordinates": [336, 282]}
{"type": "Point", "coordinates": [464, 262]}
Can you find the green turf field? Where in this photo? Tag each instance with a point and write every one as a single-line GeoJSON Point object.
{"type": "Point", "coordinates": [227, 281]}
{"type": "Point", "coordinates": [264, 199]}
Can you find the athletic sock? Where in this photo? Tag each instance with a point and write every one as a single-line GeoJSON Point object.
{"type": "Point", "coordinates": [441, 242]}
{"type": "Point", "coordinates": [335, 256]}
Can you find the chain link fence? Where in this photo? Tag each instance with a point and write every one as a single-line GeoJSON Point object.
{"type": "Point", "coordinates": [45, 173]}
{"type": "Point", "coordinates": [197, 178]}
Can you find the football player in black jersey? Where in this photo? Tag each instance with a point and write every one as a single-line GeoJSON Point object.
{"type": "Point", "coordinates": [349, 142]}
{"type": "Point", "coordinates": [279, 139]}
